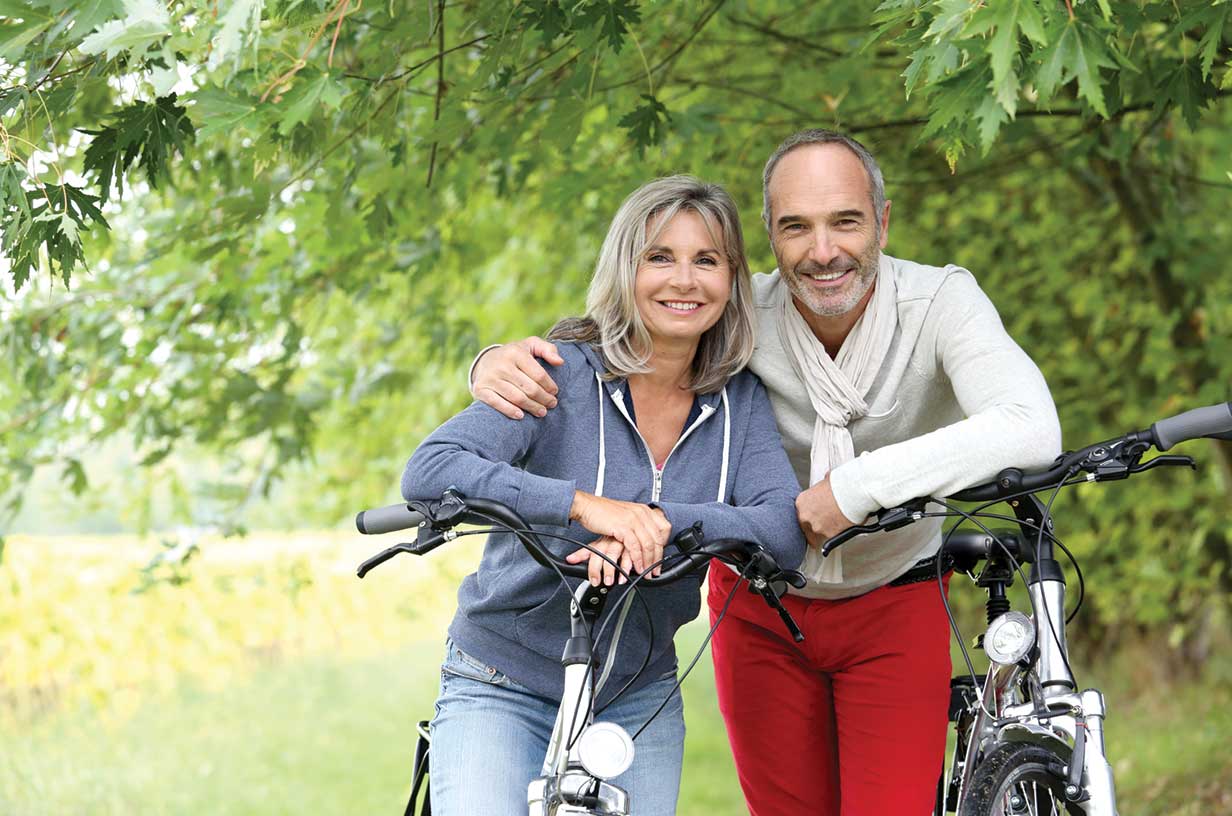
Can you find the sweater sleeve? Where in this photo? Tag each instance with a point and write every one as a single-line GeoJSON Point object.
{"type": "Point", "coordinates": [1011, 420]}
{"type": "Point", "coordinates": [473, 452]}
{"type": "Point", "coordinates": [763, 494]}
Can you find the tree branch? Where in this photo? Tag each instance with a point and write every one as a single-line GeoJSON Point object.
{"type": "Point", "coordinates": [670, 59]}
{"type": "Point", "coordinates": [440, 84]}
{"type": "Point", "coordinates": [417, 66]}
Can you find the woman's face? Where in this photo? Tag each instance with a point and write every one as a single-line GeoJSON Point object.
{"type": "Point", "coordinates": [683, 280]}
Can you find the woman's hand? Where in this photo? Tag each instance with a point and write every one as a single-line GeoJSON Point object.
{"type": "Point", "coordinates": [640, 529]}
{"type": "Point", "coordinates": [600, 570]}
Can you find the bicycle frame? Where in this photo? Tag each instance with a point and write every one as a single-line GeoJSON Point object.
{"type": "Point", "coordinates": [1054, 715]}
{"type": "Point", "coordinates": [564, 780]}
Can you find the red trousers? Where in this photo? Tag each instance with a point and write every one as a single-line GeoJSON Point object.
{"type": "Point", "coordinates": [851, 722]}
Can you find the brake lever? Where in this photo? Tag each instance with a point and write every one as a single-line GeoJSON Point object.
{"type": "Point", "coordinates": [890, 519]}
{"type": "Point", "coordinates": [844, 536]}
{"type": "Point", "coordinates": [1165, 460]}
{"type": "Point", "coordinates": [766, 589]}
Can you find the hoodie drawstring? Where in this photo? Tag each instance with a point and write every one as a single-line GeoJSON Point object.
{"type": "Point", "coordinates": [726, 448]}
{"type": "Point", "coordinates": [602, 441]}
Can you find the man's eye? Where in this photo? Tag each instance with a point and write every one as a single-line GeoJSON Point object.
{"type": "Point", "coordinates": [793, 228]}
{"type": "Point", "coordinates": [848, 222]}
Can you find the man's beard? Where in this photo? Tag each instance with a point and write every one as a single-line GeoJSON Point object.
{"type": "Point", "coordinates": [841, 302]}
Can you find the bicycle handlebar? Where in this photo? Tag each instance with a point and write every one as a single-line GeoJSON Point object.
{"type": "Point", "coordinates": [1114, 459]}
{"type": "Point", "coordinates": [1211, 422]}
{"type": "Point", "coordinates": [436, 521]}
{"type": "Point", "coordinates": [388, 519]}
{"type": "Point", "coordinates": [396, 517]}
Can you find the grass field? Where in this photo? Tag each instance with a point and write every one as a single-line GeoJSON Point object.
{"type": "Point", "coordinates": [272, 681]}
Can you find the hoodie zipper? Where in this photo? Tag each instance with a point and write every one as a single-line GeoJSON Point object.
{"type": "Point", "coordinates": [656, 487]}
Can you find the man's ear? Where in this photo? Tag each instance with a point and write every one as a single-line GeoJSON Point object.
{"type": "Point", "coordinates": [885, 224]}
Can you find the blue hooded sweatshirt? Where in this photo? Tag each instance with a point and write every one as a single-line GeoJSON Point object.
{"type": "Point", "coordinates": [727, 470]}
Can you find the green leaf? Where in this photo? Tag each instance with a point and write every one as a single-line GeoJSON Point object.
{"type": "Point", "coordinates": [990, 115]}
{"type": "Point", "coordinates": [1006, 93]}
{"type": "Point", "coordinates": [951, 16]}
{"type": "Point", "coordinates": [221, 112]}
{"type": "Point", "coordinates": [309, 95]}
{"type": "Point", "coordinates": [241, 23]}
{"type": "Point", "coordinates": [144, 23]}
{"type": "Point", "coordinates": [1092, 55]}
{"type": "Point", "coordinates": [1208, 46]}
{"type": "Point", "coordinates": [89, 14]}
{"type": "Point", "coordinates": [647, 123]}
{"type": "Point", "coordinates": [1057, 60]}
{"type": "Point", "coordinates": [1031, 23]}
{"type": "Point", "coordinates": [75, 475]}
{"type": "Point", "coordinates": [145, 132]}
{"type": "Point", "coordinates": [547, 16]}
{"type": "Point", "coordinates": [15, 37]}
{"type": "Point", "coordinates": [613, 18]}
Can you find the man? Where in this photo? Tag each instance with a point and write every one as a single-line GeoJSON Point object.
{"type": "Point", "coordinates": [909, 367]}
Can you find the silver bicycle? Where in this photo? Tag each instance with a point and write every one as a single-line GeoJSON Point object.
{"type": "Point", "coordinates": [1028, 741]}
{"type": "Point", "coordinates": [583, 755]}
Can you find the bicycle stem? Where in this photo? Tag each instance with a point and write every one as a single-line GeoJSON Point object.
{"type": "Point", "coordinates": [576, 709]}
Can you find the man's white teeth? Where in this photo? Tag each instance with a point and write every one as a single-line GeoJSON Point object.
{"type": "Point", "coordinates": [680, 306]}
{"type": "Point", "coordinates": [827, 276]}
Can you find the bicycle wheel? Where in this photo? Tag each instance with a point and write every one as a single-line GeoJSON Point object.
{"type": "Point", "coordinates": [1018, 779]}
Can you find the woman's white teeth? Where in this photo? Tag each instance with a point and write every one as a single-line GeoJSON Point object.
{"type": "Point", "coordinates": [680, 306]}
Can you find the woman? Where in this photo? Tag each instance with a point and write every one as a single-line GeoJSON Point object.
{"type": "Point", "coordinates": [654, 430]}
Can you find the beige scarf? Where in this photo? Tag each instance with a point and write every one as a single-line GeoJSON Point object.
{"type": "Point", "coordinates": [837, 388]}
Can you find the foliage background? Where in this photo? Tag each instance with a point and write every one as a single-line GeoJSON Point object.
{"type": "Point", "coordinates": [249, 246]}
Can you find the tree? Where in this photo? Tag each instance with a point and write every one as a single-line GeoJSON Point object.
{"type": "Point", "coordinates": [276, 228]}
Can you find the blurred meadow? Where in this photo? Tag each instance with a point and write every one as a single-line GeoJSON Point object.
{"type": "Point", "coordinates": [267, 679]}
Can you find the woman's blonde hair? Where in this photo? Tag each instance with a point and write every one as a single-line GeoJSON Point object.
{"type": "Point", "coordinates": [612, 322]}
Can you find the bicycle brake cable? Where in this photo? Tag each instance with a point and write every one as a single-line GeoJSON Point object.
{"type": "Point", "coordinates": [731, 595]}
{"type": "Point", "coordinates": [962, 645]}
{"type": "Point", "coordinates": [1039, 545]}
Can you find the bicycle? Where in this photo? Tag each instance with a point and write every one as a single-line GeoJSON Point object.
{"type": "Point", "coordinates": [582, 755]}
{"type": "Point", "coordinates": [1027, 741]}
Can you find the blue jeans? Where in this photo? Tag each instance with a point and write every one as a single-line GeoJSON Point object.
{"type": "Point", "coordinates": [490, 735]}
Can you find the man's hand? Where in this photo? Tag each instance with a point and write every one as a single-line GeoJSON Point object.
{"type": "Point", "coordinates": [510, 380]}
{"type": "Point", "coordinates": [642, 531]}
{"type": "Point", "coordinates": [818, 513]}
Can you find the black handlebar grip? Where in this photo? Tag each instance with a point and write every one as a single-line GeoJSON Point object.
{"type": "Point", "coordinates": [1213, 421]}
{"type": "Point", "coordinates": [387, 519]}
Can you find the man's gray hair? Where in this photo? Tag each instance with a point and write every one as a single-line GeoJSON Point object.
{"type": "Point", "coordinates": [819, 136]}
{"type": "Point", "coordinates": [612, 322]}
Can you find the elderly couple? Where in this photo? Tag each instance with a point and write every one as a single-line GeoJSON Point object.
{"type": "Point", "coordinates": [870, 380]}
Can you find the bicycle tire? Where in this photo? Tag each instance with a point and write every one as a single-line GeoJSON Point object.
{"type": "Point", "coordinates": [1018, 779]}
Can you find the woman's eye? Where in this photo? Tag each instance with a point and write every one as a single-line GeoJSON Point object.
{"type": "Point", "coordinates": [658, 257]}
{"type": "Point", "coordinates": [707, 260]}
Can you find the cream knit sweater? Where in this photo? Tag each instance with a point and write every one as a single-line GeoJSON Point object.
{"type": "Point", "coordinates": [956, 401]}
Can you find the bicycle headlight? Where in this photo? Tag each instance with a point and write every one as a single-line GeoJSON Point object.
{"type": "Point", "coordinates": [1009, 638]}
{"type": "Point", "coordinates": [605, 750]}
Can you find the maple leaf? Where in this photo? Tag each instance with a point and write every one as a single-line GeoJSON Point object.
{"type": "Point", "coordinates": [646, 123]}
{"type": "Point", "coordinates": [144, 132]}
{"type": "Point", "coordinates": [613, 17]}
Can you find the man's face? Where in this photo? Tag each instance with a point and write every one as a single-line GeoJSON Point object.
{"type": "Point", "coordinates": [823, 230]}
